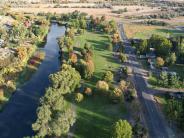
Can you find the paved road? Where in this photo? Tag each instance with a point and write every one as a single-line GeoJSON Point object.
{"type": "Point", "coordinates": [155, 122]}
{"type": "Point", "coordinates": [20, 112]}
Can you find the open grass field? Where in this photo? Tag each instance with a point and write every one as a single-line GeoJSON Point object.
{"type": "Point", "coordinates": [145, 31]}
{"type": "Point", "coordinates": [96, 114]}
{"type": "Point", "coordinates": [103, 58]}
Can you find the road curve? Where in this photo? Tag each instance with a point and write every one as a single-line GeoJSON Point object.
{"type": "Point", "coordinates": [157, 126]}
{"type": "Point", "coordinates": [20, 112]}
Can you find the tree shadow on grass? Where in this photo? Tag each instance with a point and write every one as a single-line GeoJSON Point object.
{"type": "Point", "coordinates": [98, 45]}
{"type": "Point", "coordinates": [111, 59]}
{"type": "Point", "coordinates": [96, 115]}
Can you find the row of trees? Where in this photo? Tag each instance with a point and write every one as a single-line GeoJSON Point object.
{"type": "Point", "coordinates": [55, 115]}
{"type": "Point", "coordinates": [169, 80]}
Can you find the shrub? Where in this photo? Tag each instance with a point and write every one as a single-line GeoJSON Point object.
{"type": "Point", "coordinates": [88, 91]}
{"type": "Point", "coordinates": [102, 86]}
{"type": "Point", "coordinates": [122, 57]}
{"type": "Point", "coordinates": [171, 59]}
{"type": "Point", "coordinates": [159, 62]}
{"type": "Point", "coordinates": [116, 95]}
{"type": "Point", "coordinates": [122, 129]}
{"type": "Point", "coordinates": [130, 94]}
{"type": "Point", "coordinates": [73, 57]}
{"type": "Point", "coordinates": [79, 97]}
{"type": "Point", "coordinates": [122, 85]}
{"type": "Point", "coordinates": [1, 95]}
{"type": "Point", "coordinates": [108, 76]}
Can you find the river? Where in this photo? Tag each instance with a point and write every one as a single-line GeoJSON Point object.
{"type": "Point", "coordinates": [20, 112]}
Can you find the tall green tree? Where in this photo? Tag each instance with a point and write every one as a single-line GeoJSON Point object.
{"type": "Point", "coordinates": [54, 116]}
{"type": "Point", "coordinates": [122, 129]}
{"type": "Point", "coordinates": [161, 44]}
{"type": "Point", "coordinates": [65, 80]}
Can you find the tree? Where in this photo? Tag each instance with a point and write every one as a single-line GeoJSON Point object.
{"type": "Point", "coordinates": [173, 80]}
{"type": "Point", "coordinates": [171, 59]}
{"type": "Point", "coordinates": [108, 76]}
{"type": "Point", "coordinates": [159, 62]}
{"type": "Point", "coordinates": [123, 57]}
{"type": "Point", "coordinates": [86, 68]}
{"type": "Point", "coordinates": [83, 24]}
{"type": "Point", "coordinates": [54, 116]}
{"type": "Point", "coordinates": [68, 41]}
{"type": "Point", "coordinates": [116, 94]}
{"type": "Point", "coordinates": [161, 44]}
{"type": "Point", "coordinates": [122, 85]}
{"type": "Point", "coordinates": [70, 33]}
{"type": "Point", "coordinates": [102, 86]}
{"type": "Point", "coordinates": [113, 25]}
{"type": "Point", "coordinates": [79, 97]}
{"type": "Point", "coordinates": [143, 47]}
{"type": "Point", "coordinates": [115, 38]}
{"type": "Point", "coordinates": [88, 91]}
{"type": "Point", "coordinates": [122, 129]}
{"type": "Point", "coordinates": [164, 79]}
{"type": "Point", "coordinates": [103, 18]}
{"type": "Point", "coordinates": [65, 80]}
{"type": "Point", "coordinates": [109, 47]}
{"type": "Point", "coordinates": [73, 57]}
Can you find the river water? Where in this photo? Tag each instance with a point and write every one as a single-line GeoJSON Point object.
{"type": "Point", "coordinates": [20, 112]}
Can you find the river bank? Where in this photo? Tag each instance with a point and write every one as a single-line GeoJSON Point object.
{"type": "Point", "coordinates": [20, 112]}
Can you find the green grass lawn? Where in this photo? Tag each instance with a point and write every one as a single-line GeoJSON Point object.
{"type": "Point", "coordinates": [103, 58]}
{"type": "Point", "coordinates": [96, 114]}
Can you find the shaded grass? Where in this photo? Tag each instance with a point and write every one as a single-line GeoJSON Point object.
{"type": "Point", "coordinates": [96, 116]}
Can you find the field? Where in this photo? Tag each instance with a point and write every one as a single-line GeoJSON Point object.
{"type": "Point", "coordinates": [87, 8]}
{"type": "Point", "coordinates": [96, 113]}
{"type": "Point", "coordinates": [145, 31]}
